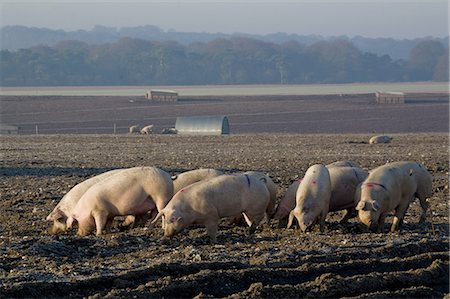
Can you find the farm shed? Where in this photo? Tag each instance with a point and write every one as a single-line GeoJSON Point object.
{"type": "Point", "coordinates": [202, 125]}
{"type": "Point", "coordinates": [161, 95]}
{"type": "Point", "coordinates": [8, 129]}
{"type": "Point", "coordinates": [390, 97]}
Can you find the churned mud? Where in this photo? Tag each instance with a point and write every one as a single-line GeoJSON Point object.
{"type": "Point", "coordinates": [343, 261]}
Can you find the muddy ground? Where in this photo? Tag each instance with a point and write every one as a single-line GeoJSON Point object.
{"type": "Point", "coordinates": [343, 261]}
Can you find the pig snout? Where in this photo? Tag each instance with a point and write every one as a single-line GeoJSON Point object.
{"type": "Point", "coordinates": [307, 220]}
{"type": "Point", "coordinates": [171, 230]}
{"type": "Point", "coordinates": [368, 220]}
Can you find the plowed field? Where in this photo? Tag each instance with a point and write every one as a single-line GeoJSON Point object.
{"type": "Point", "coordinates": [343, 261]}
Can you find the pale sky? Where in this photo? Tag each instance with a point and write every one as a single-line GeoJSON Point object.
{"type": "Point", "coordinates": [369, 18]}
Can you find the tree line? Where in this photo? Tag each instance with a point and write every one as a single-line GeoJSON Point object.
{"type": "Point", "coordinates": [236, 60]}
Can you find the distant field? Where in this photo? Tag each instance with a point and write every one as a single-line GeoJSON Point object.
{"type": "Point", "coordinates": [232, 90]}
{"type": "Point", "coordinates": [247, 114]}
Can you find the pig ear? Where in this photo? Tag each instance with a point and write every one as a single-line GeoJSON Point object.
{"type": "Point", "coordinates": [361, 205]}
{"type": "Point", "coordinates": [291, 218]}
{"type": "Point", "coordinates": [176, 219]}
{"type": "Point", "coordinates": [160, 214]}
{"type": "Point", "coordinates": [375, 206]}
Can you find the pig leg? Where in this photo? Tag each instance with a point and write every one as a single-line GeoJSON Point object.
{"type": "Point", "coordinates": [424, 205]}
{"type": "Point", "coordinates": [380, 226]}
{"type": "Point", "coordinates": [253, 221]}
{"type": "Point", "coordinates": [211, 228]}
{"type": "Point", "coordinates": [322, 221]}
{"type": "Point", "coordinates": [247, 219]}
{"type": "Point", "coordinates": [293, 214]}
{"type": "Point", "coordinates": [270, 211]}
{"type": "Point", "coordinates": [108, 225]}
{"type": "Point", "coordinates": [398, 216]}
{"type": "Point", "coordinates": [282, 222]}
{"type": "Point", "coordinates": [100, 218]}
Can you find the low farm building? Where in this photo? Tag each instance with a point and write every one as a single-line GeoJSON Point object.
{"type": "Point", "coordinates": [8, 129]}
{"type": "Point", "coordinates": [390, 97]}
{"type": "Point", "coordinates": [161, 95]}
{"type": "Point", "coordinates": [202, 125]}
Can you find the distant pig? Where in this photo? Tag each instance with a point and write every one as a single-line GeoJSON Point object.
{"type": "Point", "coordinates": [134, 129]}
{"type": "Point", "coordinates": [189, 177]}
{"type": "Point", "coordinates": [67, 203]}
{"type": "Point", "coordinates": [147, 130]}
{"type": "Point", "coordinates": [392, 187]}
{"type": "Point", "coordinates": [133, 191]}
{"type": "Point", "coordinates": [380, 139]}
{"type": "Point", "coordinates": [312, 198]}
{"type": "Point", "coordinates": [206, 202]}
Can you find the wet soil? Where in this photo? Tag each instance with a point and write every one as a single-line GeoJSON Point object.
{"type": "Point", "coordinates": [343, 261]}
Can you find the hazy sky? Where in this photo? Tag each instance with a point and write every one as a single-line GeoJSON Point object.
{"type": "Point", "coordinates": [370, 18]}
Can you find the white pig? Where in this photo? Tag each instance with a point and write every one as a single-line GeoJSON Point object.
{"type": "Point", "coordinates": [134, 191]}
{"type": "Point", "coordinates": [392, 187]}
{"type": "Point", "coordinates": [312, 198]}
{"type": "Point", "coordinates": [344, 181]}
{"type": "Point", "coordinates": [67, 203]}
{"type": "Point", "coordinates": [206, 202]}
{"type": "Point", "coordinates": [380, 139]}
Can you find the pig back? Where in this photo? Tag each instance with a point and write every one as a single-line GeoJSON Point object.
{"type": "Point", "coordinates": [343, 163]}
{"type": "Point", "coordinates": [189, 177]}
{"type": "Point", "coordinates": [234, 194]}
{"type": "Point", "coordinates": [223, 194]}
{"type": "Point", "coordinates": [384, 185]}
{"type": "Point", "coordinates": [315, 186]}
{"type": "Point", "coordinates": [422, 184]}
{"type": "Point", "coordinates": [158, 185]}
{"type": "Point", "coordinates": [71, 198]}
{"type": "Point", "coordinates": [135, 184]}
{"type": "Point", "coordinates": [344, 181]}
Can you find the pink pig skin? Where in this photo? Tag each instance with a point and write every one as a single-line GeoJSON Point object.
{"type": "Point", "coordinates": [134, 191]}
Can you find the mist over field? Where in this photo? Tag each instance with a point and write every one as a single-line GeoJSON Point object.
{"type": "Point", "coordinates": [150, 56]}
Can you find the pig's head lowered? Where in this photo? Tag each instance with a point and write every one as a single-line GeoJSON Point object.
{"type": "Point", "coordinates": [305, 215]}
{"type": "Point", "coordinates": [174, 222]}
{"type": "Point", "coordinates": [369, 206]}
{"type": "Point", "coordinates": [59, 219]}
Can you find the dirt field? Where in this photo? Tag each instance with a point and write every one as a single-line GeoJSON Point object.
{"type": "Point", "coordinates": [356, 113]}
{"type": "Point", "coordinates": [343, 261]}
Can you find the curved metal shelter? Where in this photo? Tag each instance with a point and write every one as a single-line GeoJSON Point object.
{"type": "Point", "coordinates": [202, 125]}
